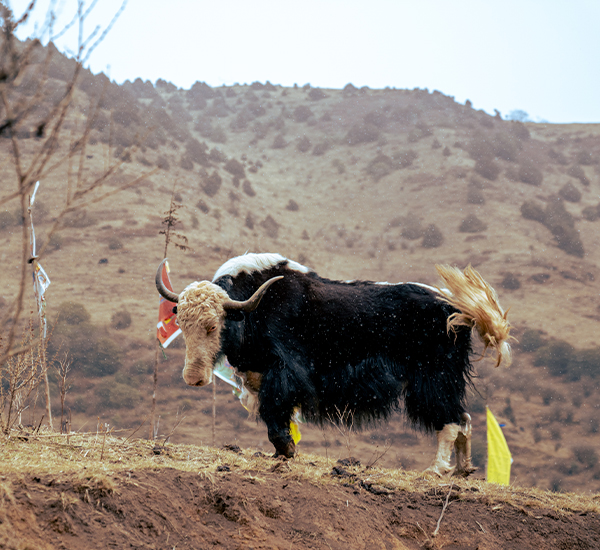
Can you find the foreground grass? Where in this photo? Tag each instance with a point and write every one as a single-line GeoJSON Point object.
{"type": "Point", "coordinates": [99, 455]}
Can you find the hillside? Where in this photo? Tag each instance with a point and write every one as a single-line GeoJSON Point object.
{"type": "Point", "coordinates": [59, 492]}
{"type": "Point", "coordinates": [355, 183]}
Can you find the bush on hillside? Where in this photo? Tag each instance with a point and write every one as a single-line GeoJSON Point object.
{"type": "Point", "coordinates": [531, 210]}
{"type": "Point", "coordinates": [303, 144]}
{"type": "Point", "coordinates": [472, 224]}
{"type": "Point", "coordinates": [487, 168]}
{"type": "Point", "coordinates": [73, 313]}
{"type": "Point", "coordinates": [121, 319]}
{"type": "Point", "coordinates": [510, 282]}
{"type": "Point", "coordinates": [211, 184]}
{"type": "Point", "coordinates": [235, 168]}
{"type": "Point", "coordinates": [577, 172]}
{"type": "Point", "coordinates": [362, 133]}
{"type": "Point", "coordinates": [569, 193]}
{"type": "Point", "coordinates": [432, 237]}
{"type": "Point", "coordinates": [530, 174]}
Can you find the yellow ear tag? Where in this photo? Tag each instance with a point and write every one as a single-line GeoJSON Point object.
{"type": "Point", "coordinates": [295, 432]}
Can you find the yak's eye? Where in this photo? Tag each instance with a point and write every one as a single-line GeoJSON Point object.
{"type": "Point", "coordinates": [211, 329]}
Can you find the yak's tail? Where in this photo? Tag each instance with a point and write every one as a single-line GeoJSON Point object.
{"type": "Point", "coordinates": [479, 308]}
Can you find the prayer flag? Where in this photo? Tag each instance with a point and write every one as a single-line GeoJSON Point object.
{"type": "Point", "coordinates": [167, 327]}
{"type": "Point", "coordinates": [499, 457]}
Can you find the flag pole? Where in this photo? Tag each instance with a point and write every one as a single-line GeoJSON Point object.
{"type": "Point", "coordinates": [40, 283]}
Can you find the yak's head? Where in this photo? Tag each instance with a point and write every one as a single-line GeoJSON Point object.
{"type": "Point", "coordinates": [201, 311]}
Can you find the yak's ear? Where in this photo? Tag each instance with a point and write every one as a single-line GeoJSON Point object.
{"type": "Point", "coordinates": [234, 315]}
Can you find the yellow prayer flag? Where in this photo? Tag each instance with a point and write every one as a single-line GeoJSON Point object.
{"type": "Point", "coordinates": [499, 457]}
{"type": "Point", "coordinates": [295, 432]}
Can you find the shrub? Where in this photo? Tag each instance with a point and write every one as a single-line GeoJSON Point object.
{"type": "Point", "coordinates": [279, 142]}
{"type": "Point", "coordinates": [162, 162]}
{"type": "Point", "coordinates": [432, 237]}
{"type": "Point", "coordinates": [212, 184]}
{"type": "Point", "coordinates": [270, 226]}
{"type": "Point", "coordinates": [120, 319]}
{"type": "Point", "coordinates": [321, 148]}
{"type": "Point", "coordinates": [585, 158]}
{"type": "Point", "coordinates": [105, 359]}
{"type": "Point", "coordinates": [380, 166]}
{"type": "Point", "coordinates": [446, 152]}
{"type": "Point", "coordinates": [505, 147]}
{"type": "Point", "coordinates": [510, 282]}
{"type": "Point", "coordinates": [558, 157]}
{"type": "Point", "coordinates": [248, 189]}
{"type": "Point", "coordinates": [556, 356]}
{"type": "Point", "coordinates": [362, 133]}
{"type": "Point", "coordinates": [73, 313]}
{"type": "Point", "coordinates": [586, 456]}
{"type": "Point", "coordinates": [116, 395]}
{"type": "Point", "coordinates": [569, 193]}
{"type": "Point", "coordinates": [203, 207]}
{"type": "Point", "coordinates": [487, 168]}
{"type": "Point", "coordinates": [303, 144]}
{"type": "Point", "coordinates": [577, 172]}
{"type": "Point", "coordinates": [316, 93]}
{"type": "Point", "coordinates": [302, 113]}
{"type": "Point", "coordinates": [6, 219]}
{"type": "Point", "coordinates": [562, 226]}
{"type": "Point", "coordinates": [533, 211]}
{"type": "Point", "coordinates": [292, 206]}
{"type": "Point", "coordinates": [475, 195]}
{"type": "Point", "coordinates": [472, 224]}
{"type": "Point", "coordinates": [591, 213]}
{"type": "Point", "coordinates": [235, 168]}
{"type": "Point", "coordinates": [411, 228]}
{"type": "Point", "coordinates": [185, 162]}
{"type": "Point", "coordinates": [531, 340]}
{"type": "Point", "coordinates": [114, 243]}
{"type": "Point", "coordinates": [530, 174]}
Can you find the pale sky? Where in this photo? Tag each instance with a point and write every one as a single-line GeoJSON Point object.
{"type": "Point", "coordinates": [539, 56]}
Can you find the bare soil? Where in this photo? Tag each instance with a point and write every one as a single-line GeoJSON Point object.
{"type": "Point", "coordinates": [274, 505]}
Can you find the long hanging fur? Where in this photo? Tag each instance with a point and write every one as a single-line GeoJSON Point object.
{"type": "Point", "coordinates": [479, 308]}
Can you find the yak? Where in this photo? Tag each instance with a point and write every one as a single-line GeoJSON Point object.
{"type": "Point", "coordinates": [301, 341]}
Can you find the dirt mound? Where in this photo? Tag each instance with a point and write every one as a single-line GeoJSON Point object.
{"type": "Point", "coordinates": [240, 509]}
{"type": "Point", "coordinates": [135, 496]}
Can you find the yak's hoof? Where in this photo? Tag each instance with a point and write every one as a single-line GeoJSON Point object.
{"type": "Point", "coordinates": [464, 472]}
{"type": "Point", "coordinates": [435, 471]}
{"type": "Point", "coordinates": [286, 452]}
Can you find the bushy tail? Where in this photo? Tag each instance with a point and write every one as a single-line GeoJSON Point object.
{"type": "Point", "coordinates": [479, 308]}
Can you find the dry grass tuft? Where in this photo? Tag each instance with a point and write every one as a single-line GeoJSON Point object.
{"type": "Point", "coordinates": [77, 458]}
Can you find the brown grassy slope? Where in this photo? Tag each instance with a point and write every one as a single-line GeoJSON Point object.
{"type": "Point", "coordinates": [57, 492]}
{"type": "Point", "coordinates": [380, 167]}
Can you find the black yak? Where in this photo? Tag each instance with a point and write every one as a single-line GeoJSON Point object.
{"type": "Point", "coordinates": [323, 346]}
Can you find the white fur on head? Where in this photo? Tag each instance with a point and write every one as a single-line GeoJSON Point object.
{"type": "Point", "coordinates": [201, 317]}
{"type": "Point", "coordinates": [248, 263]}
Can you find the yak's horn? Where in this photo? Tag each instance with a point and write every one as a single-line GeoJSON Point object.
{"type": "Point", "coordinates": [162, 289]}
{"type": "Point", "coordinates": [251, 303]}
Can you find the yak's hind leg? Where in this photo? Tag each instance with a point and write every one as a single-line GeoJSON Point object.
{"type": "Point", "coordinates": [446, 439]}
{"type": "Point", "coordinates": [462, 448]}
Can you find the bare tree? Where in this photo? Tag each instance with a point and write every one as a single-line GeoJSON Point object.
{"type": "Point", "coordinates": [24, 77]}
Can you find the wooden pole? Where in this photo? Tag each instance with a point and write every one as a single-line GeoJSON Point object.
{"type": "Point", "coordinates": [214, 409]}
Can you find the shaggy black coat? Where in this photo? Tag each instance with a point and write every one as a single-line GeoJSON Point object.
{"type": "Point", "coordinates": [364, 348]}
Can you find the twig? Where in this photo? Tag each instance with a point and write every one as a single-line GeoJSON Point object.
{"type": "Point", "coordinates": [437, 529]}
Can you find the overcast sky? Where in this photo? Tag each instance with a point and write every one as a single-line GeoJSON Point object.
{"type": "Point", "coordinates": [539, 56]}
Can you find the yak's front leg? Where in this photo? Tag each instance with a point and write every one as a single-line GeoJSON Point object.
{"type": "Point", "coordinates": [277, 401]}
{"type": "Point", "coordinates": [446, 438]}
{"type": "Point", "coordinates": [462, 448]}
{"type": "Point", "coordinates": [280, 436]}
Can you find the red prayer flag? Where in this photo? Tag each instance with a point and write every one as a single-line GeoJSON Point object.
{"type": "Point", "coordinates": [167, 328]}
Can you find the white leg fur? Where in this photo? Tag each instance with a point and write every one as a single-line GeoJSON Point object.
{"type": "Point", "coordinates": [445, 438]}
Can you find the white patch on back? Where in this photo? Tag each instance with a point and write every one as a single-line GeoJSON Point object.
{"type": "Point", "coordinates": [423, 285]}
{"type": "Point", "coordinates": [248, 263]}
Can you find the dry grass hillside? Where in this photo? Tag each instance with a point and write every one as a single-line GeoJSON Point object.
{"type": "Point", "coordinates": [355, 183]}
